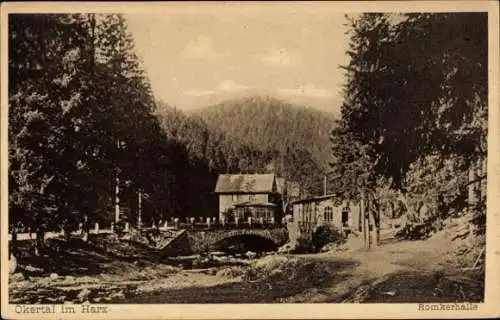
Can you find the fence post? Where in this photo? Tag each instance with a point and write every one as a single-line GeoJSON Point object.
{"type": "Point", "coordinates": [126, 227]}
{"type": "Point", "coordinates": [96, 227]}
{"type": "Point", "coordinates": [176, 223]}
{"type": "Point", "coordinates": [208, 222]}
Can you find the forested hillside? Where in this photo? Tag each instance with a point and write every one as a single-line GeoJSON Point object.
{"type": "Point", "coordinates": [254, 146]}
{"type": "Point", "coordinates": [265, 123]}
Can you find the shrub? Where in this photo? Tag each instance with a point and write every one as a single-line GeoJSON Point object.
{"type": "Point", "coordinates": [325, 234]}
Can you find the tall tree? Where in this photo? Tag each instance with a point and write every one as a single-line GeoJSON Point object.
{"type": "Point", "coordinates": [416, 88]}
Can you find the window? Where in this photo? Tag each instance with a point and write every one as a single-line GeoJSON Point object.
{"type": "Point", "coordinates": [328, 214]}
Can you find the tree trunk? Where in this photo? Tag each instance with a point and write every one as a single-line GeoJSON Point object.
{"type": "Point", "coordinates": [13, 250]}
{"type": "Point", "coordinates": [375, 211]}
{"type": "Point", "coordinates": [402, 198]}
{"type": "Point", "coordinates": [67, 234]}
{"type": "Point", "coordinates": [393, 211]}
{"type": "Point", "coordinates": [472, 198]}
{"type": "Point", "coordinates": [39, 241]}
{"type": "Point", "coordinates": [360, 218]}
{"type": "Point", "coordinates": [363, 217]}
{"type": "Point", "coordinates": [378, 228]}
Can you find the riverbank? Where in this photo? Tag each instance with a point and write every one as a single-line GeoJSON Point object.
{"type": "Point", "coordinates": [123, 272]}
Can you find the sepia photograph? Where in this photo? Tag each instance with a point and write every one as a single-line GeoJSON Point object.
{"type": "Point", "coordinates": [246, 153]}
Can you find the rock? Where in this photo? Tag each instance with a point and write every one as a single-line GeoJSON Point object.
{"type": "Point", "coordinates": [331, 247]}
{"type": "Point", "coordinates": [30, 268]}
{"type": "Point", "coordinates": [217, 253]}
{"type": "Point", "coordinates": [117, 295]}
{"type": "Point", "coordinates": [275, 273]}
{"type": "Point", "coordinates": [12, 264]}
{"type": "Point", "coordinates": [288, 247]}
{"type": "Point", "coordinates": [17, 277]}
{"type": "Point", "coordinates": [389, 293]}
{"type": "Point", "coordinates": [69, 279]}
{"type": "Point", "coordinates": [54, 276]}
{"type": "Point", "coordinates": [212, 271]}
{"type": "Point", "coordinates": [232, 272]}
{"type": "Point", "coordinates": [269, 263]}
{"type": "Point", "coordinates": [83, 294]}
{"type": "Point", "coordinates": [251, 254]}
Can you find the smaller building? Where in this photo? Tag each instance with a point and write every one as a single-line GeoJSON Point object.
{"type": "Point", "coordinates": [323, 210]}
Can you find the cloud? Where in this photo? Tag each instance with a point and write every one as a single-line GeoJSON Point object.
{"type": "Point", "coordinates": [201, 48]}
{"type": "Point", "coordinates": [308, 90]}
{"type": "Point", "coordinates": [280, 58]}
{"type": "Point", "coordinates": [230, 86]}
{"type": "Point", "coordinates": [199, 93]}
{"type": "Point", "coordinates": [223, 87]}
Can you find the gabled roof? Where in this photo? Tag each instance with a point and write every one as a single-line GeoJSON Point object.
{"type": "Point", "coordinates": [246, 183]}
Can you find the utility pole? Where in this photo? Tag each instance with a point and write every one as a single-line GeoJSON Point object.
{"type": "Point", "coordinates": [369, 207]}
{"type": "Point", "coordinates": [363, 215]}
{"type": "Point", "coordinates": [117, 189]}
{"type": "Point", "coordinates": [324, 185]}
{"type": "Point", "coordinates": [139, 210]}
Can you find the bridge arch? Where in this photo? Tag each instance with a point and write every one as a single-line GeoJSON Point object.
{"type": "Point", "coordinates": [244, 242]}
{"type": "Point", "coordinates": [213, 239]}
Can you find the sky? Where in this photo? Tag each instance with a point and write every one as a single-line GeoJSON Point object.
{"type": "Point", "coordinates": [198, 56]}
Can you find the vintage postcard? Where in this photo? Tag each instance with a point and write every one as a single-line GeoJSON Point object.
{"type": "Point", "coordinates": [230, 160]}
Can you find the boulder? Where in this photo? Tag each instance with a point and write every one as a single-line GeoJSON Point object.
{"type": "Point", "coordinates": [117, 295]}
{"type": "Point", "coordinates": [54, 276]}
{"type": "Point", "coordinates": [217, 253]}
{"type": "Point", "coordinates": [12, 265]}
{"type": "Point", "coordinates": [251, 254]}
{"type": "Point", "coordinates": [275, 273]}
{"type": "Point", "coordinates": [270, 262]}
{"type": "Point", "coordinates": [30, 268]}
{"type": "Point", "coordinates": [288, 247]}
{"type": "Point", "coordinates": [17, 277]}
{"type": "Point", "coordinates": [83, 294]}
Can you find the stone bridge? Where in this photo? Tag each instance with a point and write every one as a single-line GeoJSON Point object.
{"type": "Point", "coordinates": [196, 241]}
